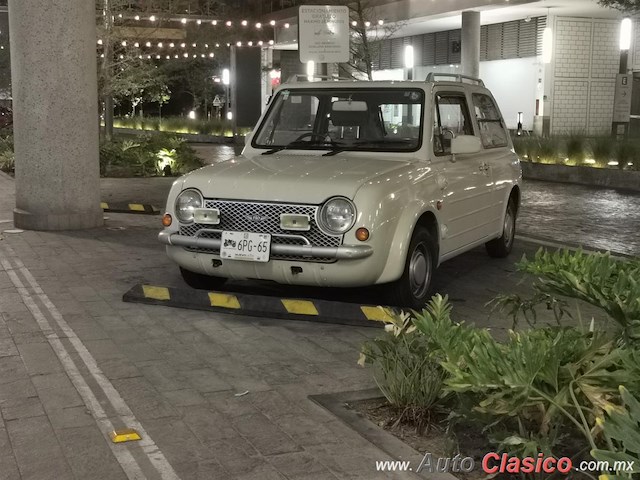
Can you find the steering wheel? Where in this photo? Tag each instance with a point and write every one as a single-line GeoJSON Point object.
{"type": "Point", "coordinates": [312, 135]}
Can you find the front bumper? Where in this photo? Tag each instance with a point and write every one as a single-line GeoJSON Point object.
{"type": "Point", "coordinates": [342, 252]}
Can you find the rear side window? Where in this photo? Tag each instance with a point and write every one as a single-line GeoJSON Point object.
{"type": "Point", "coordinates": [492, 130]}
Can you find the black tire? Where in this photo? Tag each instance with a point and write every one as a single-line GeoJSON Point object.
{"type": "Point", "coordinates": [200, 281]}
{"type": "Point", "coordinates": [501, 247]}
{"type": "Point", "coordinates": [412, 289]}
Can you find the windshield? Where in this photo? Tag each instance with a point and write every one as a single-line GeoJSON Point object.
{"type": "Point", "coordinates": [364, 119]}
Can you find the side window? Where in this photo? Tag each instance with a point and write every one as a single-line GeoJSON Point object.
{"type": "Point", "coordinates": [492, 130]}
{"type": "Point", "coordinates": [451, 119]}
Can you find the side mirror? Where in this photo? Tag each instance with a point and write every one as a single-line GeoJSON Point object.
{"type": "Point", "coordinates": [464, 144]}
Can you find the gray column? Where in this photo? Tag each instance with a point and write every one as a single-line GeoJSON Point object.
{"type": "Point", "coordinates": [55, 100]}
{"type": "Point", "coordinates": [471, 44]}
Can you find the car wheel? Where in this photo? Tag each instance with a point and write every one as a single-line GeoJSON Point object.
{"type": "Point", "coordinates": [501, 247]}
{"type": "Point", "coordinates": [201, 282]}
{"type": "Point", "coordinates": [412, 289]}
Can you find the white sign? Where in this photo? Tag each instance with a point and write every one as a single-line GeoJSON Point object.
{"type": "Point", "coordinates": [622, 99]}
{"type": "Point", "coordinates": [323, 33]}
{"type": "Point", "coordinates": [217, 102]}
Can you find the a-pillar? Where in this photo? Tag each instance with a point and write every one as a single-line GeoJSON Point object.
{"type": "Point", "coordinates": [471, 44]}
{"type": "Point", "coordinates": [55, 108]}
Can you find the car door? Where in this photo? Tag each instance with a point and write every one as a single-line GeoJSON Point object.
{"type": "Point", "coordinates": [465, 180]}
{"type": "Point", "coordinates": [496, 154]}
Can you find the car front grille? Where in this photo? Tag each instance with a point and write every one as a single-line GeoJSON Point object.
{"type": "Point", "coordinates": [260, 217]}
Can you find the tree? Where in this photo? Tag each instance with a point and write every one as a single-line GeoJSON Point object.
{"type": "Point", "coordinates": [139, 83]}
{"type": "Point", "coordinates": [194, 78]}
{"type": "Point", "coordinates": [5, 65]}
{"type": "Point", "coordinates": [626, 6]}
{"type": "Point", "coordinates": [367, 35]}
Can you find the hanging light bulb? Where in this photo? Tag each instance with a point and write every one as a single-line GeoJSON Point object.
{"type": "Point", "coordinates": [214, 22]}
{"type": "Point", "coordinates": [152, 18]}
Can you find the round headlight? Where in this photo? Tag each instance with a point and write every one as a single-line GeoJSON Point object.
{"type": "Point", "coordinates": [186, 202]}
{"type": "Point", "coordinates": [337, 215]}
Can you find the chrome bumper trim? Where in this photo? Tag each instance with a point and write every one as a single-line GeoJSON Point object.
{"type": "Point", "coordinates": [342, 252]}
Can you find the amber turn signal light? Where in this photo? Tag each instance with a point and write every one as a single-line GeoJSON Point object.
{"type": "Point", "coordinates": [362, 234]}
{"type": "Point", "coordinates": [166, 220]}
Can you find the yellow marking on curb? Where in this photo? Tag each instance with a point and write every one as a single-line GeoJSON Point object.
{"type": "Point", "coordinates": [223, 300]}
{"type": "Point", "coordinates": [104, 206]}
{"type": "Point", "coordinates": [136, 207]}
{"type": "Point", "coordinates": [299, 307]}
{"type": "Point", "coordinates": [379, 314]}
{"type": "Point", "coordinates": [156, 293]}
{"type": "Point", "coordinates": [124, 435]}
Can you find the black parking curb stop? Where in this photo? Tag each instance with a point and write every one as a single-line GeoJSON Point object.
{"type": "Point", "coordinates": [323, 311]}
{"type": "Point", "coordinates": [140, 208]}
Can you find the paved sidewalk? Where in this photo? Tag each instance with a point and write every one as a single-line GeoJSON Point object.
{"type": "Point", "coordinates": [174, 372]}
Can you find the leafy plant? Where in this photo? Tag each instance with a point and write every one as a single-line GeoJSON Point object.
{"type": "Point", "coordinates": [549, 150]}
{"type": "Point", "coordinates": [622, 431]}
{"type": "Point", "coordinates": [533, 386]}
{"type": "Point", "coordinates": [625, 152]}
{"type": "Point", "coordinates": [575, 146]}
{"type": "Point", "coordinates": [602, 148]}
{"type": "Point", "coordinates": [598, 279]}
{"type": "Point", "coordinates": [405, 371]}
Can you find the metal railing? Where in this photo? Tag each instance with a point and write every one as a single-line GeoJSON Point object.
{"type": "Point", "coordinates": [454, 77]}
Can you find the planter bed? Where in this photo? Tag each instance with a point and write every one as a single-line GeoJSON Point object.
{"type": "Point", "coordinates": [598, 177]}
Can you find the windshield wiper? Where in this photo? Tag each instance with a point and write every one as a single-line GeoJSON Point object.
{"type": "Point", "coordinates": [297, 143]}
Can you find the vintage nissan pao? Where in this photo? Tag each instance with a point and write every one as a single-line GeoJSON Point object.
{"type": "Point", "coordinates": [352, 183]}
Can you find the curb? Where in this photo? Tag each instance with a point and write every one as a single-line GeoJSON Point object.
{"type": "Point", "coordinates": [322, 311]}
{"type": "Point", "coordinates": [139, 208]}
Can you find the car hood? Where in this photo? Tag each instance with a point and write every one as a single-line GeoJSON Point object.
{"type": "Point", "coordinates": [289, 177]}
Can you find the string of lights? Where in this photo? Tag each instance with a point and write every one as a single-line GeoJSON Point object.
{"type": "Point", "coordinates": [218, 22]}
{"type": "Point", "coordinates": [183, 45]}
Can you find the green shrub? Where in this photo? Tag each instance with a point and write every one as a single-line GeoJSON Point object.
{"type": "Point", "coordinates": [622, 431]}
{"type": "Point", "coordinates": [549, 150]}
{"type": "Point", "coordinates": [602, 149]}
{"type": "Point", "coordinates": [147, 155]}
{"type": "Point", "coordinates": [7, 161]}
{"type": "Point", "coordinates": [596, 278]}
{"type": "Point", "coordinates": [575, 148]}
{"type": "Point", "coordinates": [627, 151]}
{"type": "Point", "coordinates": [405, 371]}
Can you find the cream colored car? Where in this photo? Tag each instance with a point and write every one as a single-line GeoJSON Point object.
{"type": "Point", "coordinates": [345, 184]}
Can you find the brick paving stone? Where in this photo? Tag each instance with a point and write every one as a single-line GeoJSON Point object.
{"type": "Point", "coordinates": [20, 404]}
{"type": "Point", "coordinates": [264, 434]}
{"type": "Point", "coordinates": [39, 358]}
{"type": "Point", "coordinates": [144, 400]}
{"type": "Point", "coordinates": [56, 391]}
{"type": "Point", "coordinates": [297, 464]}
{"type": "Point", "coordinates": [209, 426]}
{"type": "Point", "coordinates": [8, 466]}
{"type": "Point", "coordinates": [36, 449]}
{"type": "Point", "coordinates": [88, 454]}
{"type": "Point", "coordinates": [184, 397]}
{"type": "Point", "coordinates": [8, 347]}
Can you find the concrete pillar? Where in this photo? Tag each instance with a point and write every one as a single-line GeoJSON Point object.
{"type": "Point", "coordinates": [55, 100]}
{"type": "Point", "coordinates": [471, 44]}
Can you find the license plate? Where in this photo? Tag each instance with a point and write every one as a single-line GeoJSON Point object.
{"type": "Point", "coordinates": [253, 247]}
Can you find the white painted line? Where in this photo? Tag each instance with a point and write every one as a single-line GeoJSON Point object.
{"type": "Point", "coordinates": [123, 455]}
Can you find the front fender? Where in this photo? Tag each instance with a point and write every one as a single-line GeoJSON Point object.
{"type": "Point", "coordinates": [402, 238]}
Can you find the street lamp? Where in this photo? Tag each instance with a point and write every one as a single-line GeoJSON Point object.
{"type": "Point", "coordinates": [622, 97]}
{"type": "Point", "coordinates": [408, 61]}
{"type": "Point", "coordinates": [226, 80]}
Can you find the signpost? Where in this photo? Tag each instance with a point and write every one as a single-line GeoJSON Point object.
{"type": "Point", "coordinates": [323, 33]}
{"type": "Point", "coordinates": [622, 99]}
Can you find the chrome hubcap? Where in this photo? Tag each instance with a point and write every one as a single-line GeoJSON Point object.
{"type": "Point", "coordinates": [419, 271]}
{"type": "Point", "coordinates": [509, 224]}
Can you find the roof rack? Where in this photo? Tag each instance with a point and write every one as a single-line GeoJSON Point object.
{"type": "Point", "coordinates": [301, 77]}
{"type": "Point", "coordinates": [432, 77]}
